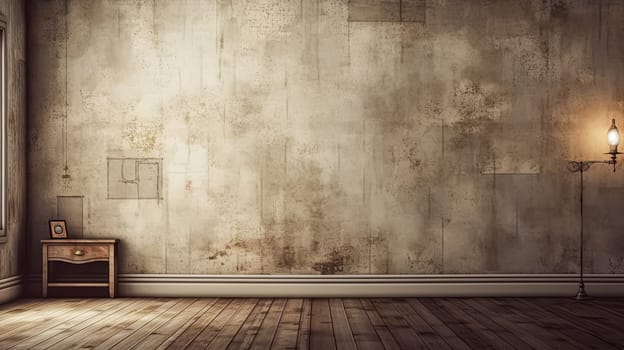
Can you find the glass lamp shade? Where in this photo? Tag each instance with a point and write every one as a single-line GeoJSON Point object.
{"type": "Point", "coordinates": [613, 136]}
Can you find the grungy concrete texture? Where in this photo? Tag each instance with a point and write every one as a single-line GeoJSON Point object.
{"type": "Point", "coordinates": [288, 137]}
{"type": "Point", "coordinates": [13, 245]}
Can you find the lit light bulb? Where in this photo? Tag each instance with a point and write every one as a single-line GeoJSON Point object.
{"type": "Point", "coordinates": [613, 136]}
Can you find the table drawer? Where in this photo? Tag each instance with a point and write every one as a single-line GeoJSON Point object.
{"type": "Point", "coordinates": [77, 252]}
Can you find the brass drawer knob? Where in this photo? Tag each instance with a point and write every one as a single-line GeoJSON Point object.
{"type": "Point", "coordinates": [79, 252]}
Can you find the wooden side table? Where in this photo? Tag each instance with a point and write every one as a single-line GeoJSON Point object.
{"type": "Point", "coordinates": [80, 251]}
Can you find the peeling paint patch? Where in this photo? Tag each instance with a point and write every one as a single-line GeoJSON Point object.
{"type": "Point", "coordinates": [287, 257]}
{"type": "Point", "coordinates": [558, 9]}
{"type": "Point", "coordinates": [227, 250]}
{"type": "Point", "coordinates": [616, 264]}
{"type": "Point", "coordinates": [143, 135]}
{"type": "Point", "coordinates": [336, 262]}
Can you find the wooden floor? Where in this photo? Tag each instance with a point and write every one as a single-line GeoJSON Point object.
{"type": "Point", "coordinates": [434, 323]}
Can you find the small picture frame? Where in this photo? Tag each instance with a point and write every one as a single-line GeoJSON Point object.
{"type": "Point", "coordinates": [58, 229]}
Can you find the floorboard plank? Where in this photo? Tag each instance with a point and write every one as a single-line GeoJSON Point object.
{"type": "Point", "coordinates": [515, 324]}
{"type": "Point", "coordinates": [171, 329]}
{"type": "Point", "coordinates": [286, 334]}
{"type": "Point", "coordinates": [321, 329]}
{"type": "Point", "coordinates": [437, 325]}
{"type": "Point", "coordinates": [72, 337]}
{"type": "Point", "coordinates": [209, 333]}
{"type": "Point", "coordinates": [461, 327]}
{"type": "Point", "coordinates": [20, 306]}
{"type": "Point", "coordinates": [400, 329]}
{"type": "Point", "coordinates": [35, 319]}
{"type": "Point", "coordinates": [267, 330]}
{"type": "Point", "coordinates": [590, 307]}
{"type": "Point", "coordinates": [551, 321]}
{"type": "Point", "coordinates": [611, 304]}
{"type": "Point", "coordinates": [429, 337]}
{"type": "Point", "coordinates": [131, 340]}
{"type": "Point", "coordinates": [12, 320]}
{"type": "Point", "coordinates": [596, 323]}
{"type": "Point", "coordinates": [207, 304]}
{"type": "Point", "coordinates": [342, 328]}
{"type": "Point", "coordinates": [487, 320]}
{"type": "Point", "coordinates": [199, 325]}
{"type": "Point", "coordinates": [303, 334]}
{"type": "Point", "coordinates": [104, 332]}
{"type": "Point", "coordinates": [128, 329]}
{"type": "Point", "coordinates": [550, 334]}
{"type": "Point", "coordinates": [250, 327]}
{"type": "Point", "coordinates": [363, 331]}
{"type": "Point", "coordinates": [228, 332]}
{"type": "Point", "coordinates": [42, 338]}
{"type": "Point", "coordinates": [454, 307]}
{"type": "Point", "coordinates": [387, 339]}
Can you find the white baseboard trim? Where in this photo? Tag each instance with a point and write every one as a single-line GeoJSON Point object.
{"type": "Point", "coordinates": [366, 286]}
{"type": "Point", "coordinates": [484, 285]}
{"type": "Point", "coordinates": [10, 288]}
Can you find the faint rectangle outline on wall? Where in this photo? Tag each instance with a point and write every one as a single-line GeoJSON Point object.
{"type": "Point", "coordinates": [134, 178]}
{"type": "Point", "coordinates": [387, 11]}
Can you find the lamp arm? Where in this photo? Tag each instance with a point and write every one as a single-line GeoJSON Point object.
{"type": "Point", "coordinates": [583, 165]}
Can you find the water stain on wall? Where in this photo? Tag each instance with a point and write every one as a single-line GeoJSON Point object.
{"type": "Point", "coordinates": [337, 261]}
{"type": "Point", "coordinates": [558, 9]}
{"type": "Point", "coordinates": [227, 250]}
{"type": "Point", "coordinates": [143, 136]}
{"type": "Point", "coordinates": [476, 111]}
{"type": "Point", "coordinates": [616, 265]}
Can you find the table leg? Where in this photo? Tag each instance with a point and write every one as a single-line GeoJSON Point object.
{"type": "Point", "coordinates": [111, 271]}
{"type": "Point", "coordinates": [44, 271]}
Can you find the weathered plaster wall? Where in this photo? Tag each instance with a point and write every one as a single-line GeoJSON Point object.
{"type": "Point", "coordinates": [12, 250]}
{"type": "Point", "coordinates": [266, 137]}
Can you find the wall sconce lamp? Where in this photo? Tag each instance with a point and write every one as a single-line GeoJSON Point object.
{"type": "Point", "coordinates": [613, 138]}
